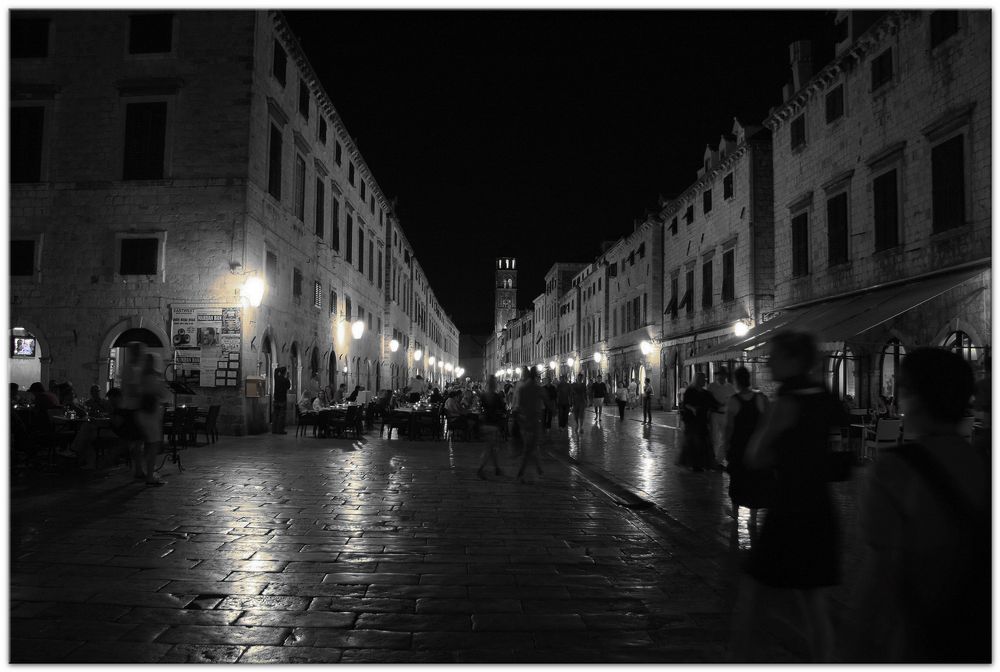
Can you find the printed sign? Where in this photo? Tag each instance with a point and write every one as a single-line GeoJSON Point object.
{"type": "Point", "coordinates": [207, 343]}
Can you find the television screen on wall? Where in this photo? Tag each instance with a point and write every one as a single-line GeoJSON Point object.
{"type": "Point", "coordinates": [22, 346]}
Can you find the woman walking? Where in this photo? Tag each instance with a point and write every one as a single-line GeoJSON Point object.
{"type": "Point", "coordinates": [747, 487]}
{"type": "Point", "coordinates": [621, 396]}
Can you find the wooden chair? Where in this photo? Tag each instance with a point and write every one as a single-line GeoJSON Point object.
{"type": "Point", "coordinates": [207, 423]}
{"type": "Point", "coordinates": [354, 421]}
{"type": "Point", "coordinates": [886, 435]}
{"type": "Point", "coordinates": [394, 420]}
{"type": "Point", "coordinates": [303, 420]}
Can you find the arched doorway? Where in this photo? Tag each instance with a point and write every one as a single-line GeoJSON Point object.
{"type": "Point", "coordinates": [961, 342]}
{"type": "Point", "coordinates": [841, 374]}
{"type": "Point", "coordinates": [24, 363]}
{"type": "Point", "coordinates": [266, 363]}
{"type": "Point", "coordinates": [116, 356]}
{"type": "Point", "coordinates": [892, 353]}
{"type": "Point", "coordinates": [314, 370]}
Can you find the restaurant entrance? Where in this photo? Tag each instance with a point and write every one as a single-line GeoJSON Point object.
{"type": "Point", "coordinates": [24, 362]}
{"type": "Point", "coordinates": [116, 357]}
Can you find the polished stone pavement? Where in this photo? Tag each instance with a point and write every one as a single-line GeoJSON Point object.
{"type": "Point", "coordinates": [285, 549]}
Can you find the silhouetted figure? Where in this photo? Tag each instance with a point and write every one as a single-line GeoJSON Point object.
{"type": "Point", "coordinates": [528, 405]}
{"type": "Point", "coordinates": [747, 487]}
{"type": "Point", "coordinates": [281, 387]}
{"type": "Point", "coordinates": [925, 592]}
{"type": "Point", "coordinates": [493, 417]}
{"type": "Point", "coordinates": [696, 451]}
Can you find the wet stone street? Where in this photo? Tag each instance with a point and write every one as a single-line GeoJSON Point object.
{"type": "Point", "coordinates": [284, 549]}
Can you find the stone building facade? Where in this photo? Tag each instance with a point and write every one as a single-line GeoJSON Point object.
{"type": "Point", "coordinates": [882, 198]}
{"type": "Point", "coordinates": [148, 188]}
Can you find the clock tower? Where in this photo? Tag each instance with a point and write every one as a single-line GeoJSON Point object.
{"type": "Point", "coordinates": [505, 293]}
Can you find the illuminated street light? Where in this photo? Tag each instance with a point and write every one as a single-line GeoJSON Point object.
{"type": "Point", "coordinates": [569, 361]}
{"type": "Point", "coordinates": [431, 360]}
{"type": "Point", "coordinates": [394, 345]}
{"type": "Point", "coordinates": [417, 355]}
{"type": "Point", "coordinates": [448, 367]}
{"type": "Point", "coordinates": [645, 347]}
{"type": "Point", "coordinates": [253, 291]}
{"type": "Point", "coordinates": [553, 365]}
{"type": "Point", "coordinates": [510, 372]}
{"type": "Point", "coordinates": [440, 364]}
{"type": "Point", "coordinates": [741, 328]}
{"type": "Point", "coordinates": [358, 329]}
{"type": "Point", "coordinates": [597, 358]}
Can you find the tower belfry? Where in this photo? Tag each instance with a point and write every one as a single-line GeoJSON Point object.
{"type": "Point", "coordinates": [505, 292]}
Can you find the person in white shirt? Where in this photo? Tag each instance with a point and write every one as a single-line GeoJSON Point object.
{"type": "Point", "coordinates": [722, 390]}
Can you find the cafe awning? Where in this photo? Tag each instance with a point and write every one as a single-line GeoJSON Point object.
{"type": "Point", "coordinates": [840, 319]}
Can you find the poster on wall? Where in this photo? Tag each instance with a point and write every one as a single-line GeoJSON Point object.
{"type": "Point", "coordinates": [207, 342]}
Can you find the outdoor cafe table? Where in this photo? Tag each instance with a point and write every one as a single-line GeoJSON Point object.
{"type": "Point", "coordinates": [415, 414]}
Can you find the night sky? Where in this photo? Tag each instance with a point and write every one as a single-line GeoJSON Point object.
{"type": "Point", "coordinates": [540, 134]}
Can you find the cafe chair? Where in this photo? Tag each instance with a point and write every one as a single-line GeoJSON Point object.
{"type": "Point", "coordinates": [354, 421]}
{"type": "Point", "coordinates": [207, 424]}
{"type": "Point", "coordinates": [458, 428]}
{"type": "Point", "coordinates": [397, 421]}
{"type": "Point", "coordinates": [886, 435]}
{"type": "Point", "coordinates": [303, 420]}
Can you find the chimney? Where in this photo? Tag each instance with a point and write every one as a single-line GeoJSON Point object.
{"type": "Point", "coordinates": [800, 54]}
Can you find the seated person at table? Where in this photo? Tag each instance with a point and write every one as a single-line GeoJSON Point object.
{"type": "Point", "coordinates": [44, 400]}
{"type": "Point", "coordinates": [305, 402]}
{"type": "Point", "coordinates": [458, 417]}
{"type": "Point", "coordinates": [354, 395]}
{"type": "Point", "coordinates": [338, 397]}
{"type": "Point", "coordinates": [320, 402]}
{"type": "Point", "coordinates": [95, 405]}
{"type": "Point", "coordinates": [415, 389]}
{"type": "Point", "coordinates": [436, 397]}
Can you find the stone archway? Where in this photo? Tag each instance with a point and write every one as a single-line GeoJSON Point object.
{"type": "Point", "coordinates": [40, 368]}
{"type": "Point", "coordinates": [129, 329]}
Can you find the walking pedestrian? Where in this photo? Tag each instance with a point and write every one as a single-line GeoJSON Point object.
{"type": "Point", "coordinates": [721, 390]}
{"type": "Point", "coordinates": [563, 392]}
{"type": "Point", "coordinates": [797, 549]}
{"type": "Point", "coordinates": [281, 387]}
{"type": "Point", "coordinates": [647, 402]}
{"type": "Point", "coordinates": [924, 592]}
{"type": "Point", "coordinates": [529, 404]}
{"type": "Point", "coordinates": [621, 397]}
{"type": "Point", "coordinates": [747, 487]}
{"type": "Point", "coordinates": [696, 450]}
{"type": "Point", "coordinates": [149, 415]}
{"type": "Point", "coordinates": [598, 392]}
{"type": "Point", "coordinates": [633, 392]}
{"type": "Point", "coordinates": [550, 402]}
{"type": "Point", "coordinates": [579, 396]}
{"type": "Point", "coordinates": [493, 417]}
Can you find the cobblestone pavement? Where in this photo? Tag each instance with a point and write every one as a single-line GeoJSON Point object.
{"type": "Point", "coordinates": [285, 549]}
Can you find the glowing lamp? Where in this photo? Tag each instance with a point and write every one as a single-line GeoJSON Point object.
{"type": "Point", "coordinates": [741, 328]}
{"type": "Point", "coordinates": [417, 355]}
{"type": "Point", "coordinates": [440, 364]}
{"type": "Point", "coordinates": [448, 367]}
{"type": "Point", "coordinates": [394, 345]}
{"type": "Point", "coordinates": [645, 347]}
{"type": "Point", "coordinates": [597, 358]}
{"type": "Point", "coordinates": [253, 291]}
{"type": "Point", "coordinates": [358, 329]}
{"type": "Point", "coordinates": [552, 365]}
{"type": "Point", "coordinates": [569, 361]}
{"type": "Point", "coordinates": [431, 360]}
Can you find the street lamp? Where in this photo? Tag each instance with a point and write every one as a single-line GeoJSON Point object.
{"type": "Point", "coordinates": [394, 345]}
{"type": "Point", "coordinates": [448, 367]}
{"type": "Point", "coordinates": [431, 360]}
{"type": "Point", "coordinates": [741, 328]}
{"type": "Point", "coordinates": [417, 354]}
{"type": "Point", "coordinates": [645, 347]}
{"type": "Point", "coordinates": [253, 291]}
{"type": "Point", "coordinates": [552, 365]}
{"type": "Point", "coordinates": [569, 361]}
{"type": "Point", "coordinates": [597, 358]}
{"type": "Point", "coordinates": [358, 329]}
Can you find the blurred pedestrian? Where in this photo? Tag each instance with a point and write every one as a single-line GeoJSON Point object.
{"type": "Point", "coordinates": [747, 487]}
{"type": "Point", "coordinates": [797, 549]}
{"type": "Point", "coordinates": [149, 414]}
{"type": "Point", "coordinates": [633, 392]}
{"type": "Point", "coordinates": [621, 397]}
{"type": "Point", "coordinates": [563, 391]}
{"type": "Point", "coordinates": [578, 394]}
{"type": "Point", "coordinates": [721, 390]}
{"type": "Point", "coordinates": [924, 596]}
{"type": "Point", "coordinates": [493, 418]}
{"type": "Point", "coordinates": [647, 402]}
{"type": "Point", "coordinates": [696, 450]}
{"type": "Point", "coordinates": [529, 404]}
{"type": "Point", "coordinates": [550, 402]}
{"type": "Point", "coordinates": [598, 392]}
{"type": "Point", "coordinates": [280, 403]}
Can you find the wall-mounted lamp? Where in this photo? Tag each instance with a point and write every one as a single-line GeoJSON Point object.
{"type": "Point", "coordinates": [741, 327]}
{"type": "Point", "coordinates": [645, 347]}
{"type": "Point", "coordinates": [394, 345]}
{"type": "Point", "coordinates": [597, 358]}
{"type": "Point", "coordinates": [358, 329]}
{"type": "Point", "coordinates": [431, 360]}
{"type": "Point", "coordinates": [569, 361]}
{"type": "Point", "coordinates": [417, 355]}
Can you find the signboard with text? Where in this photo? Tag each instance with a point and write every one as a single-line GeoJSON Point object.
{"type": "Point", "coordinates": [207, 342]}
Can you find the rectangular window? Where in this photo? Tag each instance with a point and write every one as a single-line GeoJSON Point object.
{"type": "Point", "coordinates": [728, 276]}
{"type": "Point", "coordinates": [689, 293]}
{"type": "Point", "coordinates": [674, 298]}
{"type": "Point", "coordinates": [145, 141]}
{"type": "Point", "coordinates": [279, 65]}
{"type": "Point", "coordinates": [22, 257]}
{"type": "Point", "coordinates": [363, 189]}
{"type": "Point", "coordinates": [320, 206]}
{"type": "Point", "coordinates": [335, 224]}
{"type": "Point", "coordinates": [29, 38]}
{"type": "Point", "coordinates": [317, 294]}
{"type": "Point", "coordinates": [835, 104]}
{"type": "Point", "coordinates": [27, 127]}
{"type": "Point", "coordinates": [798, 131]}
{"type": "Point", "coordinates": [944, 24]}
{"type": "Point", "coordinates": [689, 214]}
{"type": "Point", "coordinates": [322, 130]}
{"type": "Point", "coordinates": [349, 247]}
{"type": "Point", "coordinates": [706, 284]}
{"type": "Point", "coordinates": [138, 256]}
{"type": "Point", "coordinates": [347, 307]}
{"type": "Point", "coordinates": [338, 152]}
{"type": "Point", "coordinates": [371, 204]}
{"type": "Point", "coordinates": [706, 201]}
{"type": "Point", "coordinates": [673, 227]}
{"type": "Point", "coordinates": [882, 69]}
{"type": "Point", "coordinates": [727, 186]}
{"type": "Point", "coordinates": [371, 261]}
{"type": "Point", "coordinates": [303, 99]}
{"type": "Point", "coordinates": [300, 188]}
{"type": "Point", "coordinates": [150, 33]}
{"type": "Point", "coordinates": [836, 229]}
{"type": "Point", "coordinates": [948, 183]}
{"type": "Point", "coordinates": [361, 250]}
{"type": "Point", "coordinates": [636, 315]}
{"type": "Point", "coordinates": [297, 286]}
{"type": "Point", "coordinates": [274, 164]}
{"type": "Point", "coordinates": [350, 172]}
{"type": "Point", "coordinates": [271, 271]}
{"type": "Point", "coordinates": [886, 211]}
{"type": "Point", "coordinates": [800, 245]}
{"type": "Point", "coordinates": [333, 302]}
{"type": "Point", "coordinates": [380, 269]}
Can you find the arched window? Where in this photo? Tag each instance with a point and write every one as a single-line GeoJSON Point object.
{"type": "Point", "coordinates": [841, 374]}
{"type": "Point", "coordinates": [959, 341]}
{"type": "Point", "coordinates": [892, 353]}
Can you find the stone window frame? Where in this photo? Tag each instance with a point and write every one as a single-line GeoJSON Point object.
{"type": "Point", "coordinates": [946, 127]}
{"type": "Point", "coordinates": [299, 199]}
{"type": "Point", "coordinates": [728, 186]}
{"type": "Point", "coordinates": [272, 281]}
{"type": "Point", "coordinates": [959, 27]}
{"type": "Point", "coordinates": [158, 55]}
{"type": "Point", "coordinates": [275, 47]}
{"type": "Point", "coordinates": [161, 257]}
{"type": "Point", "coordinates": [842, 86]}
{"type": "Point", "coordinates": [124, 100]}
{"type": "Point", "coordinates": [879, 164]}
{"type": "Point", "coordinates": [803, 205]}
{"type": "Point", "coordinates": [317, 295]}
{"type": "Point", "coordinates": [47, 106]}
{"type": "Point", "coordinates": [883, 85]}
{"type": "Point", "coordinates": [36, 275]}
{"type": "Point", "coordinates": [839, 185]}
{"type": "Point", "coordinates": [49, 44]}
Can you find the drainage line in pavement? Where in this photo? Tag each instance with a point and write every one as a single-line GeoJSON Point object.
{"type": "Point", "coordinates": [618, 494]}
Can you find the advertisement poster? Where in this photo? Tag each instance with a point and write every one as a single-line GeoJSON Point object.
{"type": "Point", "coordinates": [207, 342]}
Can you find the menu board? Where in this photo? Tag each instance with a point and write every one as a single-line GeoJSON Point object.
{"type": "Point", "coordinates": [207, 342]}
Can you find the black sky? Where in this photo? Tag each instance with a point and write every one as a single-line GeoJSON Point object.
{"type": "Point", "coordinates": [538, 134]}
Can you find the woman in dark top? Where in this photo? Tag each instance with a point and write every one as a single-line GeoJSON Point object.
{"type": "Point", "coordinates": [747, 487]}
{"type": "Point", "coordinates": [798, 544]}
{"type": "Point", "coordinates": [353, 396]}
{"type": "Point", "coordinates": [696, 451]}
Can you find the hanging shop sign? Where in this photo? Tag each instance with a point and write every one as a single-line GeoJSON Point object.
{"type": "Point", "coordinates": [207, 342]}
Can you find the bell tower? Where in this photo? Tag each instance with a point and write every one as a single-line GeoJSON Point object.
{"type": "Point", "coordinates": [505, 292]}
